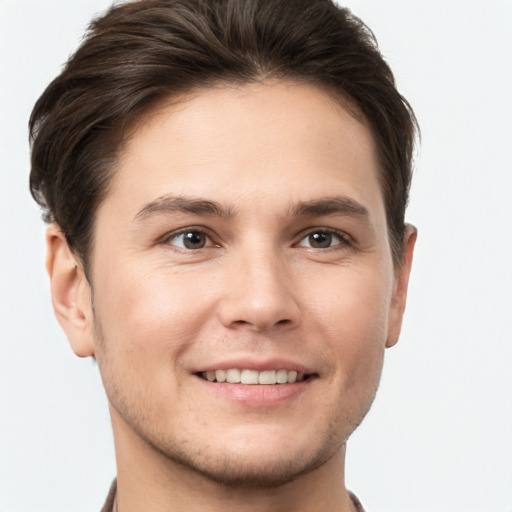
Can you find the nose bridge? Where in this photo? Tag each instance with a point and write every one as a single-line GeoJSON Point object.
{"type": "Point", "coordinates": [260, 292]}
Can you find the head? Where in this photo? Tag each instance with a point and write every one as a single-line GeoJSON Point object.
{"type": "Point", "coordinates": [205, 165]}
{"type": "Point", "coordinates": [142, 53]}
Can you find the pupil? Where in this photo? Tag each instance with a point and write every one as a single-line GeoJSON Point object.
{"type": "Point", "coordinates": [193, 240]}
{"type": "Point", "coordinates": [320, 240]}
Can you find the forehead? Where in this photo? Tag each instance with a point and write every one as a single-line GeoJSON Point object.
{"type": "Point", "coordinates": [279, 141]}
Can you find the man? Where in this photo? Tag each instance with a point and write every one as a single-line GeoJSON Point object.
{"type": "Point", "coordinates": [225, 183]}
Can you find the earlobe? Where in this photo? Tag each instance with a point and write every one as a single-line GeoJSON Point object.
{"type": "Point", "coordinates": [401, 284]}
{"type": "Point", "coordinates": [70, 291]}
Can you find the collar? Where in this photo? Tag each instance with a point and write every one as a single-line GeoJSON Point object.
{"type": "Point", "coordinates": [111, 500]}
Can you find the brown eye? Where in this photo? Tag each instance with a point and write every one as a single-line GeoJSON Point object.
{"type": "Point", "coordinates": [192, 239]}
{"type": "Point", "coordinates": [323, 240]}
{"type": "Point", "coordinates": [320, 240]}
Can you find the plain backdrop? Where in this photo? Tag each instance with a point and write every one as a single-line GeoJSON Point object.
{"type": "Point", "coordinates": [439, 436]}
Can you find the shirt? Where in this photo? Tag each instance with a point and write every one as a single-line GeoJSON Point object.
{"type": "Point", "coordinates": [111, 498]}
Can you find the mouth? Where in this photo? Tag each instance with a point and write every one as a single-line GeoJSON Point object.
{"type": "Point", "coordinates": [254, 377]}
{"type": "Point", "coordinates": [256, 384]}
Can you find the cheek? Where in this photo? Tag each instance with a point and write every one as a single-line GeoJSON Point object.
{"type": "Point", "coordinates": [147, 323]}
{"type": "Point", "coordinates": [148, 318]}
{"type": "Point", "coordinates": [354, 320]}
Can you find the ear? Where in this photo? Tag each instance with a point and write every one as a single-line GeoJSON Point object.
{"type": "Point", "coordinates": [71, 293]}
{"type": "Point", "coordinates": [401, 283]}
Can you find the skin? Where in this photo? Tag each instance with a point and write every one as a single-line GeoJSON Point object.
{"type": "Point", "coordinates": [281, 161]}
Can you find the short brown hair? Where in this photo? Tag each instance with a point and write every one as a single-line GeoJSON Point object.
{"type": "Point", "coordinates": [143, 51]}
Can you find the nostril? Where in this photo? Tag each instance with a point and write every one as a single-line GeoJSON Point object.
{"type": "Point", "coordinates": [284, 321]}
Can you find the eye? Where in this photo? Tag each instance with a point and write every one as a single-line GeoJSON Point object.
{"type": "Point", "coordinates": [189, 239]}
{"type": "Point", "coordinates": [323, 239]}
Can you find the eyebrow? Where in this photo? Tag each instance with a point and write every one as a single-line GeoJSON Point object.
{"type": "Point", "coordinates": [317, 207]}
{"type": "Point", "coordinates": [332, 206]}
{"type": "Point", "coordinates": [170, 204]}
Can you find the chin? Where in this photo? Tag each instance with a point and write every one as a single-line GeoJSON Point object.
{"type": "Point", "coordinates": [248, 469]}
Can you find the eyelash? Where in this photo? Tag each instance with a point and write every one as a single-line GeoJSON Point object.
{"type": "Point", "coordinates": [344, 239]}
{"type": "Point", "coordinates": [166, 239]}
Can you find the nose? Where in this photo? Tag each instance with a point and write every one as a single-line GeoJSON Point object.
{"type": "Point", "coordinates": [259, 295]}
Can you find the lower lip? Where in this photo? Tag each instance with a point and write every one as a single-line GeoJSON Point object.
{"type": "Point", "coordinates": [257, 395]}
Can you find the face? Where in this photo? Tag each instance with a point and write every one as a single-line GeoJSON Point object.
{"type": "Point", "coordinates": [242, 281]}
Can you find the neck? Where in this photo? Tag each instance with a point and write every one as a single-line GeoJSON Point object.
{"type": "Point", "coordinates": [147, 480]}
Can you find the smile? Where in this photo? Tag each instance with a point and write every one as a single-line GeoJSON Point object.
{"type": "Point", "coordinates": [252, 377]}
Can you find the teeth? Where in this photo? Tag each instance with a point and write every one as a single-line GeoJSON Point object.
{"type": "Point", "coordinates": [281, 376]}
{"type": "Point", "coordinates": [233, 376]}
{"type": "Point", "coordinates": [268, 377]}
{"type": "Point", "coordinates": [220, 375]}
{"type": "Point", "coordinates": [249, 377]}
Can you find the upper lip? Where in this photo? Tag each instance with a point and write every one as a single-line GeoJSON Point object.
{"type": "Point", "coordinates": [256, 364]}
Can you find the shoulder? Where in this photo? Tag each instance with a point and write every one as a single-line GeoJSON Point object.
{"type": "Point", "coordinates": [356, 502]}
{"type": "Point", "coordinates": [109, 504]}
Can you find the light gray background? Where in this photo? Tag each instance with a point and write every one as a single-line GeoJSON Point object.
{"type": "Point", "coordinates": [439, 437]}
